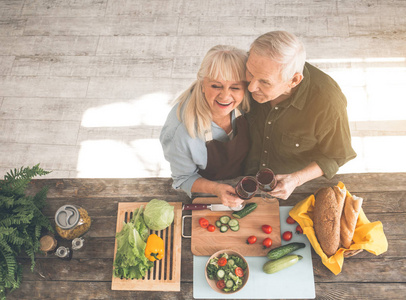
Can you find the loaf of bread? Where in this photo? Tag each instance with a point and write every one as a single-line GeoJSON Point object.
{"type": "Point", "coordinates": [349, 217]}
{"type": "Point", "coordinates": [327, 212]}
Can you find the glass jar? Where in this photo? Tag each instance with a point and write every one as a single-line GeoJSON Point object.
{"type": "Point", "coordinates": [72, 221]}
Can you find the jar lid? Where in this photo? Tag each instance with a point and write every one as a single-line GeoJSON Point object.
{"type": "Point", "coordinates": [67, 216]}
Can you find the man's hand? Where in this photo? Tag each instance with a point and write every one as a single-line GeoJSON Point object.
{"type": "Point", "coordinates": [286, 184]}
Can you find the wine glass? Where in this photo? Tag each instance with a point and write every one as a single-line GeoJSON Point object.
{"type": "Point", "coordinates": [246, 188]}
{"type": "Point", "coordinates": [266, 182]}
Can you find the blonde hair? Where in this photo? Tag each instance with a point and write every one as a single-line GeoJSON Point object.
{"type": "Point", "coordinates": [221, 62]}
{"type": "Point", "coordinates": [284, 48]}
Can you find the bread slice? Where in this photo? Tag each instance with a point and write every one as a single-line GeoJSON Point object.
{"type": "Point", "coordinates": [349, 217]}
{"type": "Point", "coordinates": [327, 212]}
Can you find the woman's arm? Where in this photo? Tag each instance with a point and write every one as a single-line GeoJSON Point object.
{"type": "Point", "coordinates": [225, 192]}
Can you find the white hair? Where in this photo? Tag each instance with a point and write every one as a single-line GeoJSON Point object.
{"type": "Point", "coordinates": [284, 48]}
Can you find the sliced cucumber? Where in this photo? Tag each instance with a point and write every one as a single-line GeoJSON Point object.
{"type": "Point", "coordinates": [229, 284]}
{"type": "Point", "coordinates": [220, 274]}
{"type": "Point", "coordinates": [231, 262]}
{"type": "Point", "coordinates": [233, 223]}
{"type": "Point", "coordinates": [224, 219]}
{"type": "Point", "coordinates": [223, 228]}
{"type": "Point", "coordinates": [218, 224]}
{"type": "Point", "coordinates": [235, 228]}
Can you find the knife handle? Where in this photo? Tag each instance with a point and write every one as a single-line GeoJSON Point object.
{"type": "Point", "coordinates": [194, 206]}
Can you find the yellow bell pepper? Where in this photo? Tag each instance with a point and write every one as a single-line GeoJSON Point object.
{"type": "Point", "coordinates": [155, 248]}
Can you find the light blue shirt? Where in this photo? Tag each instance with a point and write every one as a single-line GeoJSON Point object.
{"type": "Point", "coordinates": [187, 155]}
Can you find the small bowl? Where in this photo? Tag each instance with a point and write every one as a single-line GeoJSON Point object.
{"type": "Point", "coordinates": [212, 282]}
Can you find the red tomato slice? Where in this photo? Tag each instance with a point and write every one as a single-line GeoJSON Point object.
{"type": "Point", "coordinates": [221, 284]}
{"type": "Point", "coordinates": [239, 272]}
{"type": "Point", "coordinates": [203, 222]}
{"type": "Point", "coordinates": [222, 261]}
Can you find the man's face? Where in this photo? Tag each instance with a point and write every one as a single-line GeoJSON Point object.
{"type": "Point", "coordinates": [265, 80]}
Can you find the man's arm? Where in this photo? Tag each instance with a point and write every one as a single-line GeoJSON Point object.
{"type": "Point", "coordinates": [288, 182]}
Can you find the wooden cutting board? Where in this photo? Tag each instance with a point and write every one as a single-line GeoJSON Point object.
{"type": "Point", "coordinates": [206, 243]}
{"type": "Point", "coordinates": [165, 274]}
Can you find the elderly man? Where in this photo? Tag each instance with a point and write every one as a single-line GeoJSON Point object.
{"type": "Point", "coordinates": [298, 121]}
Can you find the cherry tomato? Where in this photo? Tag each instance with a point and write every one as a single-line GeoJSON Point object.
{"type": "Point", "coordinates": [252, 239]}
{"type": "Point", "coordinates": [287, 235]}
{"type": "Point", "coordinates": [221, 284]}
{"type": "Point", "coordinates": [222, 261]}
{"type": "Point", "coordinates": [211, 227]}
{"type": "Point", "coordinates": [267, 229]}
{"type": "Point", "coordinates": [267, 243]}
{"type": "Point", "coordinates": [203, 222]}
{"type": "Point", "coordinates": [299, 229]}
{"type": "Point", "coordinates": [290, 220]}
{"type": "Point", "coordinates": [239, 272]}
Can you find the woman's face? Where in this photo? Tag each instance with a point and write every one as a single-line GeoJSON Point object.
{"type": "Point", "coordinates": [223, 96]}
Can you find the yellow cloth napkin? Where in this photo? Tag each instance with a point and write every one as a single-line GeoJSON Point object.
{"type": "Point", "coordinates": [368, 236]}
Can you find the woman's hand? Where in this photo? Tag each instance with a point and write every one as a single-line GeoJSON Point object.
{"type": "Point", "coordinates": [226, 194]}
{"type": "Point", "coordinates": [286, 184]}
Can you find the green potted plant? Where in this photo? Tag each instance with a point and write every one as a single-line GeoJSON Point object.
{"type": "Point", "coordinates": [21, 224]}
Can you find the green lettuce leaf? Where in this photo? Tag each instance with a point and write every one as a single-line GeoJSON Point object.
{"type": "Point", "coordinates": [130, 262]}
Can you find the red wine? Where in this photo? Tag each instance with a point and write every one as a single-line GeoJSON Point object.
{"type": "Point", "coordinates": [266, 180]}
{"type": "Point", "coordinates": [246, 188]}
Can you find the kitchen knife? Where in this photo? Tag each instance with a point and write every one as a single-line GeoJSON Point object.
{"type": "Point", "coordinates": [212, 207]}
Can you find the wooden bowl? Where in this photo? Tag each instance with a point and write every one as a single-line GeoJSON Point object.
{"type": "Point", "coordinates": [212, 282]}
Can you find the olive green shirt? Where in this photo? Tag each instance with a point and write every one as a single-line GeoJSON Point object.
{"type": "Point", "coordinates": [311, 125]}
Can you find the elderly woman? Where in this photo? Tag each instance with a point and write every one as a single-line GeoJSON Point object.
{"type": "Point", "coordinates": [205, 137]}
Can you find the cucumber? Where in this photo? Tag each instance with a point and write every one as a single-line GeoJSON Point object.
{"type": "Point", "coordinates": [249, 208]}
{"type": "Point", "coordinates": [220, 274]}
{"type": "Point", "coordinates": [218, 224]}
{"type": "Point", "coordinates": [224, 219]}
{"type": "Point", "coordinates": [283, 250]}
{"type": "Point", "coordinates": [233, 223]}
{"type": "Point", "coordinates": [229, 284]}
{"type": "Point", "coordinates": [223, 228]}
{"type": "Point", "coordinates": [274, 266]}
{"type": "Point", "coordinates": [235, 228]}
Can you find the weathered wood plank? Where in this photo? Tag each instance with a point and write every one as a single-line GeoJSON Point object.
{"type": "Point", "coordinates": [83, 8]}
{"type": "Point", "coordinates": [104, 227]}
{"type": "Point", "coordinates": [39, 132]}
{"type": "Point", "coordinates": [95, 66]}
{"type": "Point", "coordinates": [384, 270]}
{"type": "Point", "coordinates": [61, 158]}
{"type": "Point", "coordinates": [43, 45]}
{"type": "Point", "coordinates": [86, 187]}
{"type": "Point", "coordinates": [11, 9]}
{"type": "Point", "coordinates": [6, 63]}
{"type": "Point", "coordinates": [147, 89]}
{"type": "Point", "coordinates": [27, 86]}
{"type": "Point", "coordinates": [102, 290]}
{"type": "Point", "coordinates": [58, 109]}
{"type": "Point", "coordinates": [107, 26]}
{"type": "Point", "coordinates": [11, 26]}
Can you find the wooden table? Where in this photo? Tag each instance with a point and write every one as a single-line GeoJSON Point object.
{"type": "Point", "coordinates": [88, 275]}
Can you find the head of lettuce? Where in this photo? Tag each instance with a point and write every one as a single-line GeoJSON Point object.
{"type": "Point", "coordinates": [158, 214]}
